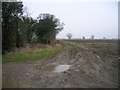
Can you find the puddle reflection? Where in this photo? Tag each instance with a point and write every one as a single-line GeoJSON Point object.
{"type": "Point", "coordinates": [61, 68]}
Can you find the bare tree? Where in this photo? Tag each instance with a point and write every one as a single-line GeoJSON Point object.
{"type": "Point", "coordinates": [104, 37]}
{"type": "Point", "coordinates": [92, 36]}
{"type": "Point", "coordinates": [26, 12]}
{"type": "Point", "coordinates": [83, 37]}
{"type": "Point", "coordinates": [69, 35]}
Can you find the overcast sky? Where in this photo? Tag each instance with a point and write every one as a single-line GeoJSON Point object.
{"type": "Point", "coordinates": [81, 18]}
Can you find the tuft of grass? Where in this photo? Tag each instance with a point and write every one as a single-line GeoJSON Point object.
{"type": "Point", "coordinates": [65, 43]}
{"type": "Point", "coordinates": [26, 55]}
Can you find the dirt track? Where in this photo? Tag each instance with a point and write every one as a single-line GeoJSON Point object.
{"type": "Point", "coordinates": [87, 70]}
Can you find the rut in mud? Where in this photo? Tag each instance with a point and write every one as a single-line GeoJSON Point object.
{"type": "Point", "coordinates": [86, 70]}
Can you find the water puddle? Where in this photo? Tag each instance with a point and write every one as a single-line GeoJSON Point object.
{"type": "Point", "coordinates": [61, 68]}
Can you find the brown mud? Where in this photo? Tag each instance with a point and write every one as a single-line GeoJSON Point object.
{"type": "Point", "coordinates": [86, 70]}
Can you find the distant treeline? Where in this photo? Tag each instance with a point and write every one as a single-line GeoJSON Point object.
{"type": "Point", "coordinates": [19, 29]}
{"type": "Point", "coordinates": [92, 40]}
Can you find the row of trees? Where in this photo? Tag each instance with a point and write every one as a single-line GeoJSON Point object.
{"type": "Point", "coordinates": [19, 29]}
{"type": "Point", "coordinates": [69, 35]}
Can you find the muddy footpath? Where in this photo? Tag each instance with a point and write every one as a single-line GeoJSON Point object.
{"type": "Point", "coordinates": [73, 68]}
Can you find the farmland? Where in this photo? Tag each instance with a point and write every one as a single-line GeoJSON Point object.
{"type": "Point", "coordinates": [92, 65]}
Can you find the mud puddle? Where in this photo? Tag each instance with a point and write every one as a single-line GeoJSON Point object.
{"type": "Point", "coordinates": [59, 68]}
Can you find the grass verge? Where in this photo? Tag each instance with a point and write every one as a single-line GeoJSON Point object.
{"type": "Point", "coordinates": [26, 55]}
{"type": "Point", "coordinates": [66, 43]}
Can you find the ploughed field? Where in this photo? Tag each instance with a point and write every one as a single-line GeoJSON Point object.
{"type": "Point", "coordinates": [79, 65]}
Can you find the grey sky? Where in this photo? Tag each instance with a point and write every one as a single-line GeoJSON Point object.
{"type": "Point", "coordinates": [81, 18]}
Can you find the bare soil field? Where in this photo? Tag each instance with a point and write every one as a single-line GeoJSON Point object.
{"type": "Point", "coordinates": [92, 40]}
{"type": "Point", "coordinates": [90, 66]}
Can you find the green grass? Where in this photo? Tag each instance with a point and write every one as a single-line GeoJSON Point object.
{"type": "Point", "coordinates": [26, 55]}
{"type": "Point", "coordinates": [65, 43]}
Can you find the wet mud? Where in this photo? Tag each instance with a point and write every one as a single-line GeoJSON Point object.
{"type": "Point", "coordinates": [73, 68]}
